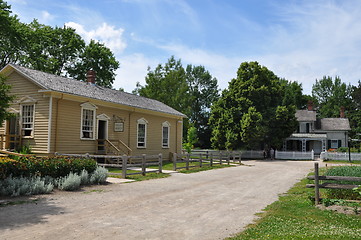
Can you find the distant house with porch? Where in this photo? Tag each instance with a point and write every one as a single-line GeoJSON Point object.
{"type": "Point", "coordinates": [58, 114]}
{"type": "Point", "coordinates": [318, 134]}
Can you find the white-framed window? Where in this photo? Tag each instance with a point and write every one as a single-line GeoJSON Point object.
{"type": "Point", "coordinates": [334, 143]}
{"type": "Point", "coordinates": [87, 130]}
{"type": "Point", "coordinates": [142, 133]}
{"type": "Point", "coordinates": [165, 134]}
{"type": "Point", "coordinates": [27, 120]}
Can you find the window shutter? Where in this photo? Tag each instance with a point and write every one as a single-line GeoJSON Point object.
{"type": "Point", "coordinates": [339, 143]}
{"type": "Point", "coordinates": [328, 144]}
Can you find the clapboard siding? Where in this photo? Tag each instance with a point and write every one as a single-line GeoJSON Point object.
{"type": "Point", "coordinates": [65, 122]}
{"type": "Point", "coordinates": [21, 87]}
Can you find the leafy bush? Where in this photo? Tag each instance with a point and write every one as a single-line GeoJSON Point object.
{"type": "Point", "coordinates": [70, 182]}
{"type": "Point", "coordinates": [84, 177]}
{"type": "Point", "coordinates": [350, 171]}
{"type": "Point", "coordinates": [45, 166]}
{"type": "Point", "coordinates": [99, 176]}
{"type": "Point", "coordinates": [345, 149]}
{"type": "Point", "coordinates": [12, 186]}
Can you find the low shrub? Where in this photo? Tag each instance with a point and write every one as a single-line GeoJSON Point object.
{"type": "Point", "coordinates": [350, 171]}
{"type": "Point", "coordinates": [71, 182]}
{"type": "Point", "coordinates": [45, 166]}
{"type": "Point", "coordinates": [99, 176]}
{"type": "Point", "coordinates": [16, 186]}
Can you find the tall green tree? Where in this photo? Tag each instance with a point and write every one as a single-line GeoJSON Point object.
{"type": "Point", "coordinates": [203, 90]}
{"type": "Point", "coordinates": [167, 83]}
{"type": "Point", "coordinates": [11, 40]}
{"type": "Point", "coordinates": [5, 99]}
{"type": "Point", "coordinates": [331, 95]}
{"type": "Point", "coordinates": [354, 112]}
{"type": "Point", "coordinates": [252, 129]}
{"type": "Point", "coordinates": [190, 91]}
{"type": "Point", "coordinates": [51, 50]}
{"type": "Point", "coordinates": [251, 103]}
{"type": "Point", "coordinates": [57, 50]}
{"type": "Point", "coordinates": [98, 57]}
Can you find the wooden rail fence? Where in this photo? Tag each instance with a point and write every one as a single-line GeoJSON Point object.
{"type": "Point", "coordinates": [328, 185]}
{"type": "Point", "coordinates": [205, 159]}
{"type": "Point", "coordinates": [138, 164]}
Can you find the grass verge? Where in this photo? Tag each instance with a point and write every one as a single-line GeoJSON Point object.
{"type": "Point", "coordinates": [294, 216]}
{"type": "Point", "coordinates": [342, 162]}
{"type": "Point", "coordinates": [167, 165]}
{"type": "Point", "coordinates": [116, 172]}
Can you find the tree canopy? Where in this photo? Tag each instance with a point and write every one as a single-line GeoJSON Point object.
{"type": "Point", "coordinates": [251, 112]}
{"type": "Point", "coordinates": [57, 50]}
{"type": "Point", "coordinates": [331, 95]}
{"type": "Point", "coordinates": [190, 91]}
{"type": "Point", "coordinates": [5, 99]}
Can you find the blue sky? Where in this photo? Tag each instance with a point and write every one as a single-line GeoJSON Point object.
{"type": "Point", "coordinates": [300, 40]}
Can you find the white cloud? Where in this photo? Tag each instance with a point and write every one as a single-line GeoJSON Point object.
{"type": "Point", "coordinates": [314, 40]}
{"type": "Point", "coordinates": [46, 17]}
{"type": "Point", "coordinates": [109, 35]}
{"type": "Point", "coordinates": [133, 69]}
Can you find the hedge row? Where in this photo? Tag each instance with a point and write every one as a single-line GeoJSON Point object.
{"type": "Point", "coordinates": [45, 166]}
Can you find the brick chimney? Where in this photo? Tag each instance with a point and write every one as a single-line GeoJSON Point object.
{"type": "Point", "coordinates": [90, 76]}
{"type": "Point", "coordinates": [310, 105]}
{"type": "Point", "coordinates": [342, 112]}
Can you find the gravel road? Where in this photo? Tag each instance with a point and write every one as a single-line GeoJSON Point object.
{"type": "Point", "coordinates": [207, 205]}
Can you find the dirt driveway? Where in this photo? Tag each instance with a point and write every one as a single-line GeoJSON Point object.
{"type": "Point", "coordinates": [206, 205]}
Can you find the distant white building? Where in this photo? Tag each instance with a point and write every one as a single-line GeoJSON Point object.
{"type": "Point", "coordinates": [318, 134]}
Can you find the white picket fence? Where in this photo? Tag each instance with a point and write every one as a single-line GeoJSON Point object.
{"type": "Point", "coordinates": [343, 156]}
{"type": "Point", "coordinates": [295, 155]}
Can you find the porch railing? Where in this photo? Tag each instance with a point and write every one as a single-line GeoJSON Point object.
{"type": "Point", "coordinates": [10, 141]}
{"type": "Point", "coordinates": [105, 146]}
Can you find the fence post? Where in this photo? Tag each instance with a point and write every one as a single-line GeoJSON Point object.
{"type": "Point", "coordinates": [211, 162]}
{"type": "Point", "coordinates": [187, 161]}
{"type": "Point", "coordinates": [220, 158]}
{"type": "Point", "coordinates": [143, 164]}
{"type": "Point", "coordinates": [317, 192]}
{"type": "Point", "coordinates": [160, 159]}
{"type": "Point", "coordinates": [200, 160]}
{"type": "Point", "coordinates": [175, 161]}
{"type": "Point", "coordinates": [313, 154]}
{"type": "Point", "coordinates": [228, 157]}
{"type": "Point", "coordinates": [124, 166]}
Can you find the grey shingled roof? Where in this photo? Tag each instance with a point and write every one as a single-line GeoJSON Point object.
{"type": "Point", "coordinates": [335, 124]}
{"type": "Point", "coordinates": [305, 116]}
{"type": "Point", "coordinates": [70, 86]}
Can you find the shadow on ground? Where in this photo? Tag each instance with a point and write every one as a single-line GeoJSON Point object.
{"type": "Point", "coordinates": [18, 212]}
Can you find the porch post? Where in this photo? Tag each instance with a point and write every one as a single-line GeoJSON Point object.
{"type": "Point", "coordinates": [285, 145]}
{"type": "Point", "coordinates": [303, 145]}
{"type": "Point", "coordinates": [323, 145]}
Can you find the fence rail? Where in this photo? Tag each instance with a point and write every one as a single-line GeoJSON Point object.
{"type": "Point", "coordinates": [343, 156]}
{"type": "Point", "coordinates": [295, 155]}
{"type": "Point", "coordinates": [328, 185]}
{"type": "Point", "coordinates": [135, 163]}
{"type": "Point", "coordinates": [205, 158]}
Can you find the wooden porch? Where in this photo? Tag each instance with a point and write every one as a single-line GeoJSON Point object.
{"type": "Point", "coordinates": [10, 141]}
{"type": "Point", "coordinates": [112, 147]}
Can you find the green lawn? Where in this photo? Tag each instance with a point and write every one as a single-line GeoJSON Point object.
{"type": "Point", "coordinates": [345, 162]}
{"type": "Point", "coordinates": [167, 165]}
{"type": "Point", "coordinates": [294, 216]}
